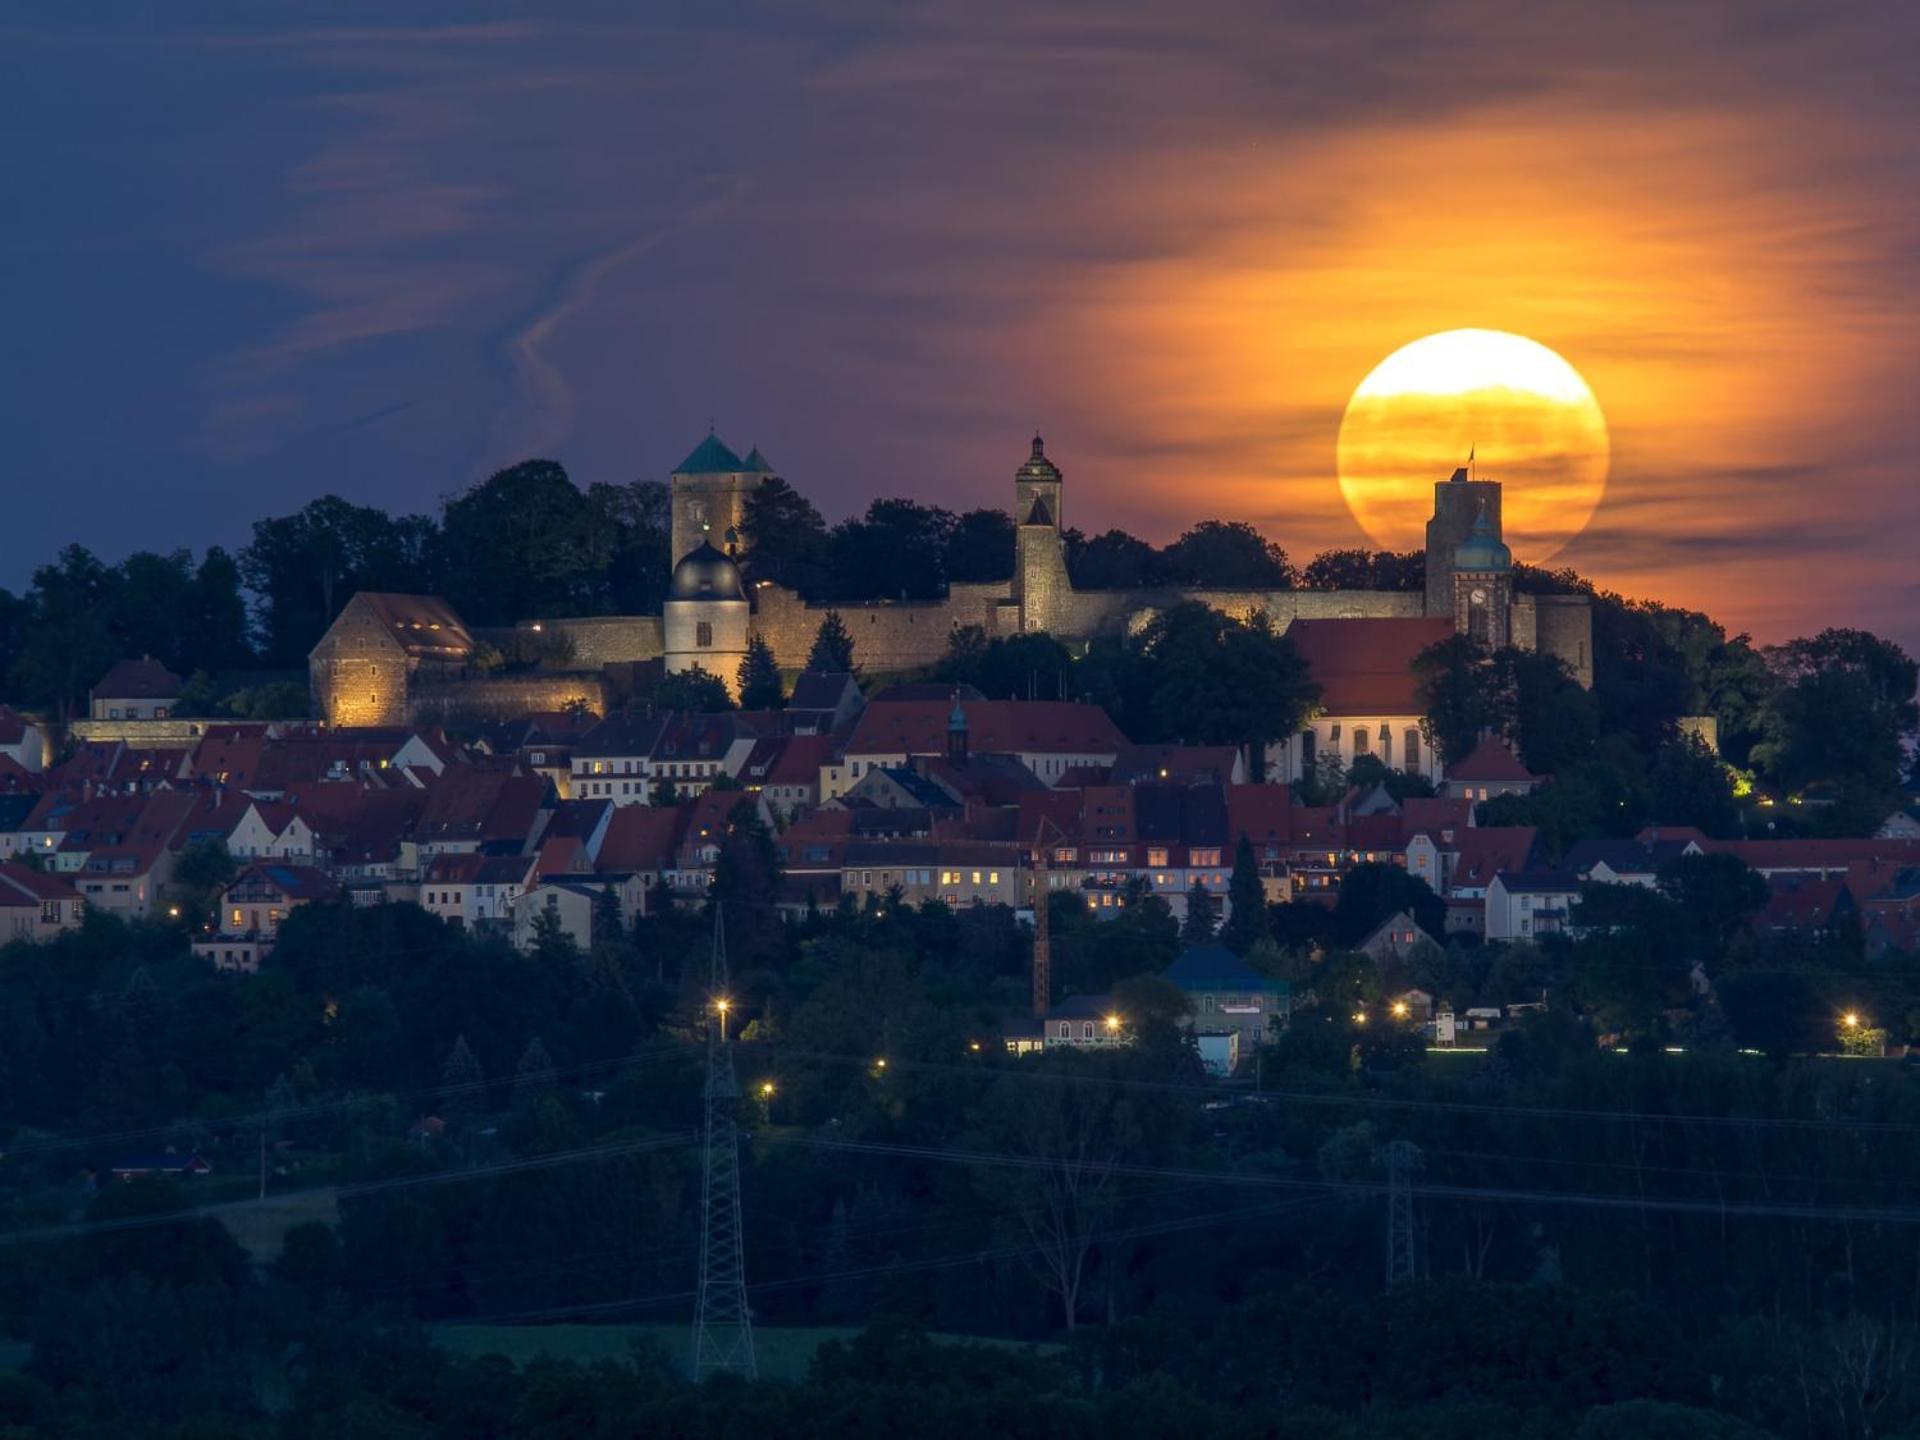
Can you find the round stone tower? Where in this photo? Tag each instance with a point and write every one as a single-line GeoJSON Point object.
{"type": "Point", "coordinates": [707, 616]}
{"type": "Point", "coordinates": [710, 490]}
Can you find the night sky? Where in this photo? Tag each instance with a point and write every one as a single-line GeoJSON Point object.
{"type": "Point", "coordinates": [255, 253]}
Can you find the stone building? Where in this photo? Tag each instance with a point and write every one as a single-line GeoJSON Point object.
{"type": "Point", "coordinates": [392, 658]}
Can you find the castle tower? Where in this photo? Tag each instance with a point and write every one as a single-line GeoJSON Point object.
{"type": "Point", "coordinates": [1456, 504]}
{"type": "Point", "coordinates": [1040, 557]}
{"type": "Point", "coordinates": [706, 616]}
{"type": "Point", "coordinates": [710, 489]}
{"type": "Point", "coordinates": [1483, 586]}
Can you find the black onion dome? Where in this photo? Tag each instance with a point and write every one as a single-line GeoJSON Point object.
{"type": "Point", "coordinates": [706, 574]}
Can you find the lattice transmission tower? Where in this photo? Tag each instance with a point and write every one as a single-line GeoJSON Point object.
{"type": "Point", "coordinates": [1401, 1158]}
{"type": "Point", "coordinates": [722, 1324]}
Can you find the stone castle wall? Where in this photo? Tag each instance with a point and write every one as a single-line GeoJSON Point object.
{"type": "Point", "coordinates": [600, 640]}
{"type": "Point", "coordinates": [1563, 626]}
{"type": "Point", "coordinates": [901, 636]}
{"type": "Point", "coordinates": [442, 701]}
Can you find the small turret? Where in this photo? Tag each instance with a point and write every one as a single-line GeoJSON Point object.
{"type": "Point", "coordinates": [957, 733]}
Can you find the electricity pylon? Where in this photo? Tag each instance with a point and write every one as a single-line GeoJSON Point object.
{"type": "Point", "coordinates": [1402, 1158]}
{"type": "Point", "coordinates": [722, 1324]}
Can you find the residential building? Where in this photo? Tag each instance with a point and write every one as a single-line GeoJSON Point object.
{"type": "Point", "coordinates": [1229, 996]}
{"type": "Point", "coordinates": [142, 689]}
{"type": "Point", "coordinates": [35, 905]}
{"type": "Point", "coordinates": [1530, 904]}
{"type": "Point", "coordinates": [255, 905]}
{"type": "Point", "coordinates": [1491, 769]}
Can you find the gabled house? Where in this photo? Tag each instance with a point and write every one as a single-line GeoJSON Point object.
{"type": "Point", "coordinates": [1230, 995]}
{"type": "Point", "coordinates": [1530, 904]}
{"type": "Point", "coordinates": [823, 701]}
{"type": "Point", "coordinates": [472, 891]}
{"type": "Point", "coordinates": [142, 689]}
{"type": "Point", "coordinates": [253, 907]}
{"type": "Point", "coordinates": [23, 742]}
{"type": "Point", "coordinates": [35, 905]}
{"type": "Point", "coordinates": [1397, 939]}
{"type": "Point", "coordinates": [1491, 769]}
{"type": "Point", "coordinates": [1370, 702]}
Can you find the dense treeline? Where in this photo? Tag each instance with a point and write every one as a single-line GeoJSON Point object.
{"type": "Point", "coordinates": [1629, 1243]}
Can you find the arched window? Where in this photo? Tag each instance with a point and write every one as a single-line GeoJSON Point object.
{"type": "Point", "coordinates": [1413, 749]}
{"type": "Point", "coordinates": [1361, 739]}
{"type": "Point", "coordinates": [703, 634]}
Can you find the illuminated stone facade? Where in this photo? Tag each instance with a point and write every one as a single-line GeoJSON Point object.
{"type": "Point", "coordinates": [379, 656]}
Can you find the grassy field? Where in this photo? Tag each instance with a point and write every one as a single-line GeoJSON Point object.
{"type": "Point", "coordinates": [783, 1353]}
{"type": "Point", "coordinates": [261, 1226]}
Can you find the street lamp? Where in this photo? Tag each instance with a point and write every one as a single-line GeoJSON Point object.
{"type": "Point", "coordinates": [1400, 1010]}
{"type": "Point", "coordinates": [1113, 1024]}
{"type": "Point", "coordinates": [766, 1089]}
{"type": "Point", "coordinates": [1851, 1020]}
{"type": "Point", "coordinates": [723, 1005]}
{"type": "Point", "coordinates": [1359, 1017]}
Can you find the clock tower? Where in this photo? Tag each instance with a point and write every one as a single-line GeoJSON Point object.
{"type": "Point", "coordinates": [1483, 585]}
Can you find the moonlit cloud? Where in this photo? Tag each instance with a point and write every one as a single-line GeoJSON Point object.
{"type": "Point", "coordinates": [354, 247]}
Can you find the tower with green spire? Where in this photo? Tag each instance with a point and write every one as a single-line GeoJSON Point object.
{"type": "Point", "coordinates": [710, 490]}
{"type": "Point", "coordinates": [1483, 585]}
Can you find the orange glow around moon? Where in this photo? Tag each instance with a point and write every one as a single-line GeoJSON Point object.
{"type": "Point", "coordinates": [1526, 415]}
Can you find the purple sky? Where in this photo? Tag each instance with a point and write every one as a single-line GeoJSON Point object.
{"type": "Point", "coordinates": [255, 253]}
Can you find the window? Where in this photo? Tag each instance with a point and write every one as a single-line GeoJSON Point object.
{"type": "Point", "coordinates": [1157, 858]}
{"type": "Point", "coordinates": [1086, 1030]}
{"type": "Point", "coordinates": [1362, 741]}
{"type": "Point", "coordinates": [1386, 745]}
{"type": "Point", "coordinates": [703, 635]}
{"type": "Point", "coordinates": [1412, 748]}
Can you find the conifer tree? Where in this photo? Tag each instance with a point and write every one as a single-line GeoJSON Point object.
{"type": "Point", "coordinates": [1246, 903]}
{"type": "Point", "coordinates": [759, 678]}
{"type": "Point", "coordinates": [1197, 928]}
{"type": "Point", "coordinates": [533, 1077]}
{"type": "Point", "coordinates": [608, 926]}
{"type": "Point", "coordinates": [462, 1081]}
{"type": "Point", "coordinates": [832, 646]}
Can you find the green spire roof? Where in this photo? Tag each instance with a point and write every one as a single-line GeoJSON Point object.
{"type": "Point", "coordinates": [757, 463]}
{"type": "Point", "coordinates": [710, 457]}
{"type": "Point", "coordinates": [1482, 549]}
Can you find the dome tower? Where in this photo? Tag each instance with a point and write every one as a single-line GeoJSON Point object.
{"type": "Point", "coordinates": [707, 616]}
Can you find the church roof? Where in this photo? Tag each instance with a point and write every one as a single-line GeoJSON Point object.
{"type": "Point", "coordinates": [1364, 666]}
{"type": "Point", "coordinates": [758, 463]}
{"type": "Point", "coordinates": [705, 574]}
{"type": "Point", "coordinates": [710, 457]}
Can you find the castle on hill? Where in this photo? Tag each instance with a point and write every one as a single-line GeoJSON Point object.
{"type": "Point", "coordinates": [396, 659]}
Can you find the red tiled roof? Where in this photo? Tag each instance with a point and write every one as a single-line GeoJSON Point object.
{"type": "Point", "coordinates": [425, 625]}
{"type": "Point", "coordinates": [919, 727]}
{"type": "Point", "coordinates": [1487, 850]}
{"type": "Point", "coordinates": [1492, 759]}
{"type": "Point", "coordinates": [1260, 812]}
{"type": "Point", "coordinates": [800, 760]}
{"type": "Point", "coordinates": [1364, 667]}
{"type": "Point", "coordinates": [1816, 855]}
{"type": "Point", "coordinates": [1432, 815]}
{"type": "Point", "coordinates": [23, 885]}
{"type": "Point", "coordinates": [142, 679]}
{"type": "Point", "coordinates": [641, 837]}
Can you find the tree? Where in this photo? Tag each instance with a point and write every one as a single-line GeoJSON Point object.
{"type": "Point", "coordinates": [521, 544]}
{"type": "Point", "coordinates": [1371, 893]}
{"type": "Point", "coordinates": [897, 551]}
{"type": "Point", "coordinates": [759, 678]}
{"type": "Point", "coordinates": [636, 522]}
{"type": "Point", "coordinates": [66, 645]}
{"type": "Point", "coordinates": [980, 547]}
{"type": "Point", "coordinates": [1841, 714]}
{"type": "Point", "coordinates": [462, 1082]}
{"type": "Point", "coordinates": [1528, 696]}
{"type": "Point", "coordinates": [696, 690]}
{"type": "Point", "coordinates": [1228, 555]}
{"type": "Point", "coordinates": [832, 646]}
{"type": "Point", "coordinates": [1365, 570]}
{"type": "Point", "coordinates": [534, 1077]}
{"type": "Point", "coordinates": [303, 568]}
{"type": "Point", "coordinates": [1113, 561]}
{"type": "Point", "coordinates": [1718, 894]}
{"type": "Point", "coordinates": [786, 540]}
{"type": "Point", "coordinates": [1013, 667]}
{"type": "Point", "coordinates": [1688, 785]}
{"type": "Point", "coordinates": [1246, 903]}
{"type": "Point", "coordinates": [1197, 927]}
{"type": "Point", "coordinates": [609, 927]}
{"type": "Point", "coordinates": [1216, 680]}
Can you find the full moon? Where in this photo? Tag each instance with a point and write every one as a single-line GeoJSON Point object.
{"type": "Point", "coordinates": [1521, 411]}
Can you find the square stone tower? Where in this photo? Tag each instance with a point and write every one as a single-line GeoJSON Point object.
{"type": "Point", "coordinates": [1457, 503]}
{"type": "Point", "coordinates": [710, 489]}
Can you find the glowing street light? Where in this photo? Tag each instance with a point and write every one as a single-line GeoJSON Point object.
{"type": "Point", "coordinates": [1359, 1017]}
{"type": "Point", "coordinates": [722, 1005]}
{"type": "Point", "coordinates": [974, 1045]}
{"type": "Point", "coordinates": [1113, 1024]}
{"type": "Point", "coordinates": [1401, 1010]}
{"type": "Point", "coordinates": [766, 1089]}
{"type": "Point", "coordinates": [1851, 1020]}
{"type": "Point", "coordinates": [881, 1063]}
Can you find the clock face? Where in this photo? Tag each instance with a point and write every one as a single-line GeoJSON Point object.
{"type": "Point", "coordinates": [1479, 597]}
